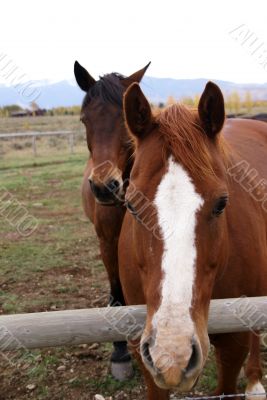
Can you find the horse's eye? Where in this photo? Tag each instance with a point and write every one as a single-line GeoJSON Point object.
{"type": "Point", "coordinates": [82, 118]}
{"type": "Point", "coordinates": [220, 206]}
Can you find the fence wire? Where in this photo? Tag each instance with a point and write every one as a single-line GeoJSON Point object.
{"type": "Point", "coordinates": [226, 396]}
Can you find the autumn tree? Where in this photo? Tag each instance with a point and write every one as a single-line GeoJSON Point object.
{"type": "Point", "coordinates": [196, 100]}
{"type": "Point", "coordinates": [188, 101]}
{"type": "Point", "coordinates": [248, 102]}
{"type": "Point", "coordinates": [34, 108]}
{"type": "Point", "coordinates": [170, 101]}
{"type": "Point", "coordinates": [235, 102]}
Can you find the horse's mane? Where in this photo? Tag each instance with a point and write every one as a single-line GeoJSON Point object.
{"type": "Point", "coordinates": [108, 88]}
{"type": "Point", "coordinates": [187, 141]}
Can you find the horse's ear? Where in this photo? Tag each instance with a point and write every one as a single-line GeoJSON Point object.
{"type": "Point", "coordinates": [136, 76]}
{"type": "Point", "coordinates": [211, 109]}
{"type": "Point", "coordinates": [83, 78]}
{"type": "Point", "coordinates": [137, 111]}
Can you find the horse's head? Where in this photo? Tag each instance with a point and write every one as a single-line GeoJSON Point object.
{"type": "Point", "coordinates": [177, 195]}
{"type": "Point", "coordinates": [107, 138]}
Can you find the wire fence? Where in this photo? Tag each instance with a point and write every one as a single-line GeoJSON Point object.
{"type": "Point", "coordinates": [227, 396]}
{"type": "Point", "coordinates": [34, 135]}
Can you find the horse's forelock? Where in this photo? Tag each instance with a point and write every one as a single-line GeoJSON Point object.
{"type": "Point", "coordinates": [108, 89]}
{"type": "Point", "coordinates": [186, 140]}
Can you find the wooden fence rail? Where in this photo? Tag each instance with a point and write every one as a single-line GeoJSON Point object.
{"type": "Point", "coordinates": [73, 327]}
{"type": "Point", "coordinates": [36, 134]}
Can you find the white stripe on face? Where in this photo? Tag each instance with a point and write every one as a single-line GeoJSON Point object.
{"type": "Point", "coordinates": [177, 203]}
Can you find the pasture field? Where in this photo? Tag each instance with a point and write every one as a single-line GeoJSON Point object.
{"type": "Point", "coordinates": [41, 124]}
{"type": "Point", "coordinates": [57, 267]}
{"type": "Point", "coordinates": [51, 146]}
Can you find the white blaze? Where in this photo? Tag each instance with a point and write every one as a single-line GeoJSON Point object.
{"type": "Point", "coordinates": [177, 203]}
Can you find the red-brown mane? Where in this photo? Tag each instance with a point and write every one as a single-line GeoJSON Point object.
{"type": "Point", "coordinates": [187, 141]}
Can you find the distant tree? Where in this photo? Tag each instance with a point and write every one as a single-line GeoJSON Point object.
{"type": "Point", "coordinates": [228, 103]}
{"type": "Point", "coordinates": [235, 101]}
{"type": "Point", "coordinates": [196, 100]}
{"type": "Point", "coordinates": [34, 107]}
{"type": "Point", "coordinates": [188, 101]}
{"type": "Point", "coordinates": [170, 101]}
{"type": "Point", "coordinates": [8, 110]}
{"type": "Point", "coordinates": [248, 102]}
{"type": "Point", "coordinates": [74, 110]}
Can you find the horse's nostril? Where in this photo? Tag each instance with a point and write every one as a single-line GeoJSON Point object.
{"type": "Point", "coordinates": [91, 183]}
{"type": "Point", "coordinates": [146, 354]}
{"type": "Point", "coordinates": [113, 185]}
{"type": "Point", "coordinates": [97, 190]}
{"type": "Point", "coordinates": [194, 359]}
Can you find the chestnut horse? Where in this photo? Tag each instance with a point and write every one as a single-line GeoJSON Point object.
{"type": "Point", "coordinates": [193, 233]}
{"type": "Point", "coordinates": [106, 176]}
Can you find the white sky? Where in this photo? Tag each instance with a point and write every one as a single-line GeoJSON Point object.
{"type": "Point", "coordinates": [183, 39]}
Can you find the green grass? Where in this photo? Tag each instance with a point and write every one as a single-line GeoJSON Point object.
{"type": "Point", "coordinates": [21, 260]}
{"type": "Point", "coordinates": [51, 194]}
{"type": "Point", "coordinates": [40, 370]}
{"type": "Point", "coordinates": [108, 384]}
{"type": "Point", "coordinates": [9, 302]}
{"type": "Point", "coordinates": [208, 379]}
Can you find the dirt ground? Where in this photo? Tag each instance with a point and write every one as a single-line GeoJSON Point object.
{"type": "Point", "coordinates": [58, 267]}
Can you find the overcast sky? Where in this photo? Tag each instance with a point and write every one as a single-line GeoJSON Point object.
{"type": "Point", "coordinates": [183, 39]}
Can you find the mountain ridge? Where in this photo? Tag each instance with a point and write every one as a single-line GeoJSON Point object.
{"type": "Point", "coordinates": [66, 93]}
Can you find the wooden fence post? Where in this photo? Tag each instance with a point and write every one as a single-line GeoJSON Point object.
{"type": "Point", "coordinates": [34, 149]}
{"type": "Point", "coordinates": [71, 143]}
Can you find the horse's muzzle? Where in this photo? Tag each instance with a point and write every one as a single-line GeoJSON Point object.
{"type": "Point", "coordinates": [173, 367]}
{"type": "Point", "coordinates": [109, 193]}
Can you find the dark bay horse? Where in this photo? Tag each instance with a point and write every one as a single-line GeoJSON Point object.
{"type": "Point", "coordinates": [196, 230]}
{"type": "Point", "coordinates": [106, 175]}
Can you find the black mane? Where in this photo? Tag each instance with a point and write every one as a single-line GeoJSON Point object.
{"type": "Point", "coordinates": [108, 88]}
